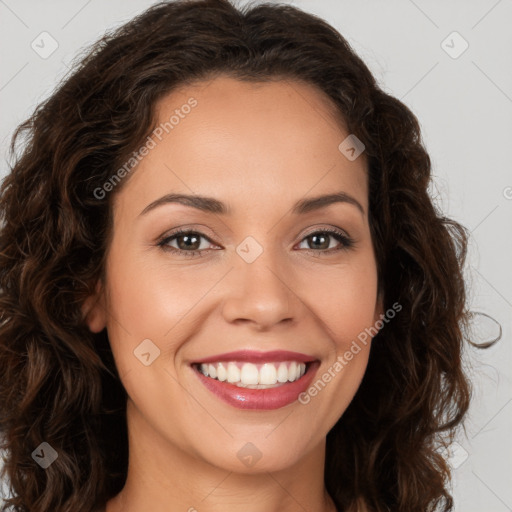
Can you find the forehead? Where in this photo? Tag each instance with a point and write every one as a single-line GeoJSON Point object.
{"type": "Point", "coordinates": [224, 102]}
{"type": "Point", "coordinates": [244, 139]}
{"type": "Point", "coordinates": [229, 92]}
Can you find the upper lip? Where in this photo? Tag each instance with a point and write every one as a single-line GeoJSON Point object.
{"type": "Point", "coordinates": [252, 356]}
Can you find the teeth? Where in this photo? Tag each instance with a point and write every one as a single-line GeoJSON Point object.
{"type": "Point", "coordinates": [233, 373]}
{"type": "Point", "coordinates": [249, 374]}
{"type": "Point", "coordinates": [268, 374]}
{"type": "Point", "coordinates": [222, 373]}
{"type": "Point", "coordinates": [282, 373]}
{"type": "Point", "coordinates": [258, 376]}
{"type": "Point", "coordinates": [212, 371]}
{"type": "Point", "coordinates": [292, 371]}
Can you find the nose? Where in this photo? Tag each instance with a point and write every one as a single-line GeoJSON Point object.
{"type": "Point", "coordinates": [260, 293]}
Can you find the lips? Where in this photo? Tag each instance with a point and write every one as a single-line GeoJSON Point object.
{"type": "Point", "coordinates": [296, 373]}
{"type": "Point", "coordinates": [252, 356]}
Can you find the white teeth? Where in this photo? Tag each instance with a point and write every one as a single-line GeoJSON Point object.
{"type": "Point", "coordinates": [268, 374]}
{"type": "Point", "coordinates": [222, 373]}
{"type": "Point", "coordinates": [233, 373]}
{"type": "Point", "coordinates": [292, 371]}
{"type": "Point", "coordinates": [258, 376]}
{"type": "Point", "coordinates": [212, 371]}
{"type": "Point", "coordinates": [249, 374]}
{"type": "Point", "coordinates": [282, 373]}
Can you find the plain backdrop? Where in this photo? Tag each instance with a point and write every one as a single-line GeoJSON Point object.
{"type": "Point", "coordinates": [451, 63]}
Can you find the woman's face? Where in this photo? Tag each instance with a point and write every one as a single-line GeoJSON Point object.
{"type": "Point", "coordinates": [257, 274]}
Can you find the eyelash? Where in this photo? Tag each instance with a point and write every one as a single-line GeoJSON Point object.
{"type": "Point", "coordinates": [346, 242]}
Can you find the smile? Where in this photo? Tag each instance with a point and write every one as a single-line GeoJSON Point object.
{"type": "Point", "coordinates": [254, 380]}
{"type": "Point", "coordinates": [254, 376]}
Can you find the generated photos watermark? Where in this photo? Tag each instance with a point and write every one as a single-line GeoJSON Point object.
{"type": "Point", "coordinates": [342, 360]}
{"type": "Point", "coordinates": [150, 143]}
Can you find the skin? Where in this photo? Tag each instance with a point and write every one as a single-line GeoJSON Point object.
{"type": "Point", "coordinates": [258, 148]}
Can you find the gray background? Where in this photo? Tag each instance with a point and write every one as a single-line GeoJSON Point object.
{"type": "Point", "coordinates": [464, 105]}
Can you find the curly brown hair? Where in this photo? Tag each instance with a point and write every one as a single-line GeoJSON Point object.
{"type": "Point", "coordinates": [59, 381]}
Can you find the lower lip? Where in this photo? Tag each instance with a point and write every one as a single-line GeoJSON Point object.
{"type": "Point", "coordinates": [263, 399]}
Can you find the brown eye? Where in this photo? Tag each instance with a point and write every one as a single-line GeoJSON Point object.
{"type": "Point", "coordinates": [188, 243]}
{"type": "Point", "coordinates": [321, 241]}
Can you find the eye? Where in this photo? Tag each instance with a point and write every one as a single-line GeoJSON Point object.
{"type": "Point", "coordinates": [320, 241]}
{"type": "Point", "coordinates": [188, 243]}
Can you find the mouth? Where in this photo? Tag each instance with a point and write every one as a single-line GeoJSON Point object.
{"type": "Point", "coordinates": [257, 380]}
{"type": "Point", "coordinates": [254, 376]}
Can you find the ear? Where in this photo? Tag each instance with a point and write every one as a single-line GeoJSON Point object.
{"type": "Point", "coordinates": [93, 310]}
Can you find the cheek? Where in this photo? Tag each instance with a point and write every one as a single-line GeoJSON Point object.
{"type": "Point", "coordinates": [344, 300]}
{"type": "Point", "coordinates": [345, 304]}
{"type": "Point", "coordinates": [151, 302]}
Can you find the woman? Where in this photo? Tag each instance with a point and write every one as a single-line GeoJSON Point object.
{"type": "Point", "coordinates": [223, 281]}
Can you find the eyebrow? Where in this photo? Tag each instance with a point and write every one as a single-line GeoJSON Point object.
{"type": "Point", "coordinates": [212, 205]}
